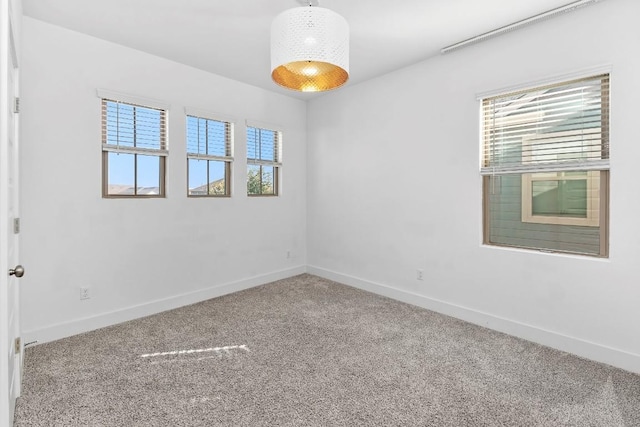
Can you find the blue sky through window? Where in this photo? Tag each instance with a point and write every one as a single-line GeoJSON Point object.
{"type": "Point", "coordinates": [207, 137]}
{"type": "Point", "coordinates": [262, 144]}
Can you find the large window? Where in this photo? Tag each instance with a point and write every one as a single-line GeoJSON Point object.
{"type": "Point", "coordinates": [545, 167]}
{"type": "Point", "coordinates": [209, 156]}
{"type": "Point", "coordinates": [263, 161]}
{"type": "Point", "coordinates": [134, 149]}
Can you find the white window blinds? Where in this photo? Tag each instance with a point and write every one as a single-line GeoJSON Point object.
{"type": "Point", "coordinates": [133, 128]}
{"type": "Point", "coordinates": [263, 146]}
{"type": "Point", "coordinates": [552, 128]}
{"type": "Point", "coordinates": [207, 138]}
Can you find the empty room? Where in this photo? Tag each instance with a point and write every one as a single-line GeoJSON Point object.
{"type": "Point", "coordinates": [319, 213]}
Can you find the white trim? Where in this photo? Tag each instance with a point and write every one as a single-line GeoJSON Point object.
{"type": "Point", "coordinates": [132, 99]}
{"type": "Point", "coordinates": [195, 156]}
{"type": "Point", "coordinates": [582, 165]}
{"type": "Point", "coordinates": [66, 329]}
{"type": "Point", "coordinates": [203, 114]}
{"type": "Point", "coordinates": [263, 163]}
{"type": "Point", "coordinates": [263, 125]}
{"type": "Point", "coordinates": [582, 348]}
{"type": "Point", "coordinates": [552, 80]}
{"type": "Point", "coordinates": [134, 150]}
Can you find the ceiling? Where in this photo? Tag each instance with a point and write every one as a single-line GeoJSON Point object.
{"type": "Point", "coordinates": [231, 37]}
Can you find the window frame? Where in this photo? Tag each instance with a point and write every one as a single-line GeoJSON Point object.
{"type": "Point", "coordinates": [592, 178]}
{"type": "Point", "coordinates": [162, 153]}
{"type": "Point", "coordinates": [276, 164]}
{"type": "Point", "coordinates": [597, 210]}
{"type": "Point", "coordinates": [593, 208]}
{"type": "Point", "coordinates": [228, 159]}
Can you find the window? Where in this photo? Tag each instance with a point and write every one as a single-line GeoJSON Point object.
{"type": "Point", "coordinates": [263, 161]}
{"type": "Point", "coordinates": [134, 149]}
{"type": "Point", "coordinates": [209, 157]}
{"type": "Point", "coordinates": [545, 167]}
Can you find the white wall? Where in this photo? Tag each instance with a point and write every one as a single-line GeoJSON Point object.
{"type": "Point", "coordinates": [140, 256]}
{"type": "Point", "coordinates": [394, 186]}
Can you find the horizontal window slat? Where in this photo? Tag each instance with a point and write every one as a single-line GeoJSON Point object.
{"type": "Point", "coordinates": [134, 150]}
{"type": "Point", "coordinates": [551, 167]}
{"type": "Point", "coordinates": [209, 137]}
{"type": "Point", "coordinates": [525, 125]}
{"type": "Point", "coordinates": [262, 162]}
{"type": "Point", "coordinates": [208, 157]}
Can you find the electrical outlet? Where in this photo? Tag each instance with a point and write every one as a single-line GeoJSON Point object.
{"type": "Point", "coordinates": [84, 293]}
{"type": "Point", "coordinates": [419, 274]}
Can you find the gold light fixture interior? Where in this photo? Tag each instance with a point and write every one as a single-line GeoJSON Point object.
{"type": "Point", "coordinates": [310, 49]}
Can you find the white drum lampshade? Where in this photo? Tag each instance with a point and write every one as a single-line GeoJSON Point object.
{"type": "Point", "coordinates": [309, 49]}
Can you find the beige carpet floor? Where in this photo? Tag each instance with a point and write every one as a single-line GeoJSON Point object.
{"type": "Point", "coordinates": [309, 352]}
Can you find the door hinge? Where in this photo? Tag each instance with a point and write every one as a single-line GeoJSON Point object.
{"type": "Point", "coordinates": [16, 225]}
{"type": "Point", "coordinates": [18, 345]}
{"type": "Point", "coordinates": [16, 105]}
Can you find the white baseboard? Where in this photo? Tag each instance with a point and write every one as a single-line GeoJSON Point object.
{"type": "Point", "coordinates": [589, 350]}
{"type": "Point", "coordinates": [74, 327]}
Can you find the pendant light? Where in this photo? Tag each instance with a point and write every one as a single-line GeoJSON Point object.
{"type": "Point", "coordinates": [309, 49]}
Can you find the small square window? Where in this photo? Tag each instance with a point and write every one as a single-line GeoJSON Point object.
{"type": "Point", "coordinates": [564, 198]}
